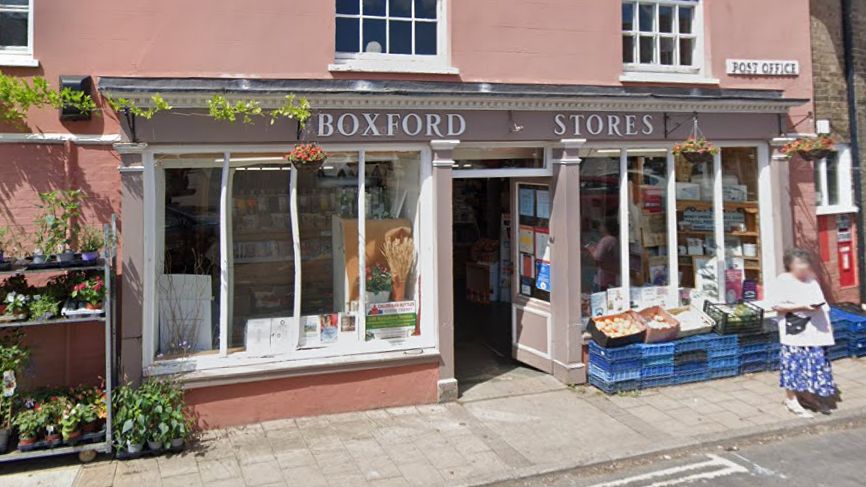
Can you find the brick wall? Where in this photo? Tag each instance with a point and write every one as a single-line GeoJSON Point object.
{"type": "Point", "coordinates": [830, 103]}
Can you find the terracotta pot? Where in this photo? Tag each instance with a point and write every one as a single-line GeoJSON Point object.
{"type": "Point", "coordinates": [52, 438]}
{"type": "Point", "coordinates": [75, 435]}
{"type": "Point", "coordinates": [93, 307]}
{"type": "Point", "coordinates": [26, 441]}
{"type": "Point", "coordinates": [398, 289]}
{"type": "Point", "coordinates": [90, 427]}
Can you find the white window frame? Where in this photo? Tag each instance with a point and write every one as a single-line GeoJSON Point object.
{"type": "Point", "coordinates": [657, 72]}
{"type": "Point", "coordinates": [19, 55]}
{"type": "Point", "coordinates": [361, 350]}
{"type": "Point", "coordinates": [545, 171]}
{"type": "Point", "coordinates": [844, 184]}
{"type": "Point", "coordinates": [400, 63]}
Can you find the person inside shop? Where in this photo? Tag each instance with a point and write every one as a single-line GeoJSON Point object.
{"type": "Point", "coordinates": [605, 254]}
{"type": "Point", "coordinates": [804, 331]}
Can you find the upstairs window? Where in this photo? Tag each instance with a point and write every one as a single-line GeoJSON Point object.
{"type": "Point", "coordinates": [661, 35]}
{"type": "Point", "coordinates": [833, 183]}
{"type": "Point", "coordinates": [390, 27]}
{"type": "Point", "coordinates": [16, 33]}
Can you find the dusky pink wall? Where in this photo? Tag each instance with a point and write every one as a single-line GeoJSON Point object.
{"type": "Point", "coordinates": [508, 41]}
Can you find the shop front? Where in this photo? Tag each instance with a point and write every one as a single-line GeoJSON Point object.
{"type": "Point", "coordinates": [278, 291]}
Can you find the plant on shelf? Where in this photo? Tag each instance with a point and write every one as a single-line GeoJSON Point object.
{"type": "Point", "coordinates": [58, 226]}
{"type": "Point", "coordinates": [29, 423]}
{"type": "Point", "coordinates": [53, 410]}
{"type": "Point", "coordinates": [73, 418]}
{"type": "Point", "coordinates": [91, 292]}
{"type": "Point", "coordinates": [810, 148]}
{"type": "Point", "coordinates": [13, 355]}
{"type": "Point", "coordinates": [307, 156]}
{"type": "Point", "coordinates": [696, 149]}
{"type": "Point", "coordinates": [378, 284]}
{"type": "Point", "coordinates": [17, 305]}
{"type": "Point", "coordinates": [8, 245]}
{"type": "Point", "coordinates": [92, 402]}
{"type": "Point", "coordinates": [90, 242]}
{"type": "Point", "coordinates": [43, 307]}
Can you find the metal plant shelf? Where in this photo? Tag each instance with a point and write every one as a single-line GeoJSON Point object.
{"type": "Point", "coordinates": [106, 264]}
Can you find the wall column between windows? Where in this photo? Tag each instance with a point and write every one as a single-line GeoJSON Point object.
{"type": "Point", "coordinates": [780, 173]}
{"type": "Point", "coordinates": [565, 302]}
{"type": "Point", "coordinates": [443, 161]}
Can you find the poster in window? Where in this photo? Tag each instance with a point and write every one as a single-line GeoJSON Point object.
{"type": "Point", "coordinates": [526, 240]}
{"type": "Point", "coordinates": [309, 336]}
{"type": "Point", "coordinates": [526, 202]}
{"type": "Point", "coordinates": [542, 199]}
{"type": "Point", "coordinates": [328, 325]}
{"type": "Point", "coordinates": [527, 267]}
{"type": "Point", "coordinates": [391, 320]}
{"type": "Point", "coordinates": [542, 275]}
{"type": "Point", "coordinates": [542, 244]}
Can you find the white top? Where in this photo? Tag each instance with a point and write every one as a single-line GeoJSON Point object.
{"type": "Point", "coordinates": [791, 291]}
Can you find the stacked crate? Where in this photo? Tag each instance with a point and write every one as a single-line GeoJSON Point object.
{"type": "Point", "coordinates": [756, 352]}
{"type": "Point", "coordinates": [691, 363]}
{"type": "Point", "coordinates": [615, 369]}
{"type": "Point", "coordinates": [849, 330]}
{"type": "Point", "coordinates": [657, 365]}
{"type": "Point", "coordinates": [723, 356]}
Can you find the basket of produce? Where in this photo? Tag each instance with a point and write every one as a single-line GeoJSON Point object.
{"type": "Point", "coordinates": [736, 319]}
{"type": "Point", "coordinates": [693, 321]}
{"type": "Point", "coordinates": [617, 330]}
{"type": "Point", "coordinates": [661, 326]}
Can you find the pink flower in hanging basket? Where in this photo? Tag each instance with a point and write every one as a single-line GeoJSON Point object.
{"type": "Point", "coordinates": [809, 148]}
{"type": "Point", "coordinates": [307, 154]}
{"type": "Point", "coordinates": [694, 145]}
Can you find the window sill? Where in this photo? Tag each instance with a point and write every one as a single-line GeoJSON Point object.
{"type": "Point", "coordinates": [18, 60]}
{"type": "Point", "coordinates": [258, 370]}
{"type": "Point", "coordinates": [670, 77]}
{"type": "Point", "coordinates": [376, 66]}
{"type": "Point", "coordinates": [835, 210]}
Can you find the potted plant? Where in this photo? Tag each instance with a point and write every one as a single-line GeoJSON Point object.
{"type": "Point", "coordinates": [16, 305]}
{"type": "Point", "coordinates": [696, 150]}
{"type": "Point", "coordinates": [5, 422]}
{"type": "Point", "coordinates": [90, 242]}
{"type": "Point", "coordinates": [29, 423]}
{"type": "Point", "coordinates": [43, 307]}
{"type": "Point", "coordinates": [91, 292]}
{"type": "Point", "coordinates": [179, 429]}
{"type": "Point", "coordinates": [307, 156]}
{"type": "Point", "coordinates": [59, 221]}
{"type": "Point", "coordinates": [129, 420]}
{"type": "Point", "coordinates": [810, 148]}
{"type": "Point", "coordinates": [52, 411]}
{"type": "Point", "coordinates": [378, 284]}
{"type": "Point", "coordinates": [70, 422]}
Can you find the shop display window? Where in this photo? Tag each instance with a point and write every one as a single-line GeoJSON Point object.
{"type": "Point", "coordinates": [473, 159]}
{"type": "Point", "coordinates": [742, 231]}
{"type": "Point", "coordinates": [306, 274]}
{"type": "Point", "coordinates": [533, 239]}
{"type": "Point", "coordinates": [648, 259]}
{"type": "Point", "coordinates": [601, 257]}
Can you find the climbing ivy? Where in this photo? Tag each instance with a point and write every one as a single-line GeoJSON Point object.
{"type": "Point", "coordinates": [18, 96]}
{"type": "Point", "coordinates": [125, 105]}
{"type": "Point", "coordinates": [220, 108]}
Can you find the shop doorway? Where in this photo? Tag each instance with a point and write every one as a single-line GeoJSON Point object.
{"type": "Point", "coordinates": [482, 280]}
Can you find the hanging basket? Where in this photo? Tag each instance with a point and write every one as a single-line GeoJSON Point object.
{"type": "Point", "coordinates": [697, 157]}
{"type": "Point", "coordinates": [814, 154]}
{"type": "Point", "coordinates": [307, 158]}
{"type": "Point", "coordinates": [308, 167]}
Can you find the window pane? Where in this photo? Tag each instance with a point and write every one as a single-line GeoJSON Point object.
{"type": "Point", "coordinates": [666, 51]}
{"type": "Point", "coordinates": [628, 49]}
{"type": "Point", "coordinates": [327, 201]}
{"type": "Point", "coordinates": [425, 9]}
{"type": "Point", "coordinates": [499, 158]}
{"type": "Point", "coordinates": [189, 285]}
{"type": "Point", "coordinates": [533, 249]}
{"type": "Point", "coordinates": [400, 8]}
{"type": "Point", "coordinates": [599, 225]}
{"type": "Point", "coordinates": [348, 7]}
{"type": "Point", "coordinates": [374, 7]}
{"type": "Point", "coordinates": [666, 19]}
{"type": "Point", "coordinates": [833, 178]}
{"type": "Point", "coordinates": [647, 18]}
{"type": "Point", "coordinates": [347, 35]}
{"type": "Point", "coordinates": [627, 16]}
{"type": "Point", "coordinates": [15, 2]}
{"type": "Point", "coordinates": [687, 49]}
{"type": "Point", "coordinates": [741, 223]}
{"type": "Point", "coordinates": [647, 49]}
{"type": "Point", "coordinates": [648, 259]}
{"type": "Point", "coordinates": [696, 236]}
{"type": "Point", "coordinates": [425, 38]}
{"type": "Point", "coordinates": [13, 29]}
{"type": "Point", "coordinates": [401, 37]}
{"type": "Point", "coordinates": [686, 19]}
{"type": "Point", "coordinates": [819, 192]}
{"type": "Point", "coordinates": [263, 271]}
{"type": "Point", "coordinates": [393, 201]}
{"type": "Point", "coordinates": [374, 35]}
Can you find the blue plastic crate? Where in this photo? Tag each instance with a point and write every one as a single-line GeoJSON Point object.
{"type": "Point", "coordinates": [775, 365]}
{"type": "Point", "coordinates": [614, 387]}
{"type": "Point", "coordinates": [656, 371]}
{"type": "Point", "coordinates": [845, 320]}
{"type": "Point", "coordinates": [615, 354]}
{"type": "Point", "coordinates": [754, 367]}
{"type": "Point", "coordinates": [857, 348]}
{"type": "Point", "coordinates": [751, 358]}
{"type": "Point", "coordinates": [718, 353]}
{"type": "Point", "coordinates": [842, 334]}
{"type": "Point", "coordinates": [657, 349]}
{"type": "Point", "coordinates": [722, 341]}
{"type": "Point", "coordinates": [691, 344]}
{"type": "Point", "coordinates": [755, 348]}
{"type": "Point", "coordinates": [654, 382]}
{"type": "Point", "coordinates": [724, 363]}
{"type": "Point", "coordinates": [696, 376]}
{"type": "Point", "coordinates": [690, 367]}
{"type": "Point", "coordinates": [838, 352]}
{"type": "Point", "coordinates": [620, 374]}
{"type": "Point", "coordinates": [724, 372]}
{"type": "Point", "coordinates": [658, 361]}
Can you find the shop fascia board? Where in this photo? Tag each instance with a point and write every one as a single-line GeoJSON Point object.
{"type": "Point", "coordinates": [194, 374]}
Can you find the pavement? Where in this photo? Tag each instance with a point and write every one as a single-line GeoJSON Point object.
{"type": "Point", "coordinates": [517, 424]}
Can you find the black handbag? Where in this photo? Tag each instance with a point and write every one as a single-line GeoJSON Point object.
{"type": "Point", "coordinates": [796, 324]}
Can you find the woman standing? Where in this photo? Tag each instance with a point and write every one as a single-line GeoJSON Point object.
{"type": "Point", "coordinates": [804, 331]}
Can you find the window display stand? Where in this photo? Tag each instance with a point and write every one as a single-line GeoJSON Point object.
{"type": "Point", "coordinates": [100, 442]}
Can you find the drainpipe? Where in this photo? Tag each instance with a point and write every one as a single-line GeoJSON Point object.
{"type": "Point", "coordinates": [853, 124]}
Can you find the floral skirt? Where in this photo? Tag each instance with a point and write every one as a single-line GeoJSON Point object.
{"type": "Point", "coordinates": [806, 369]}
